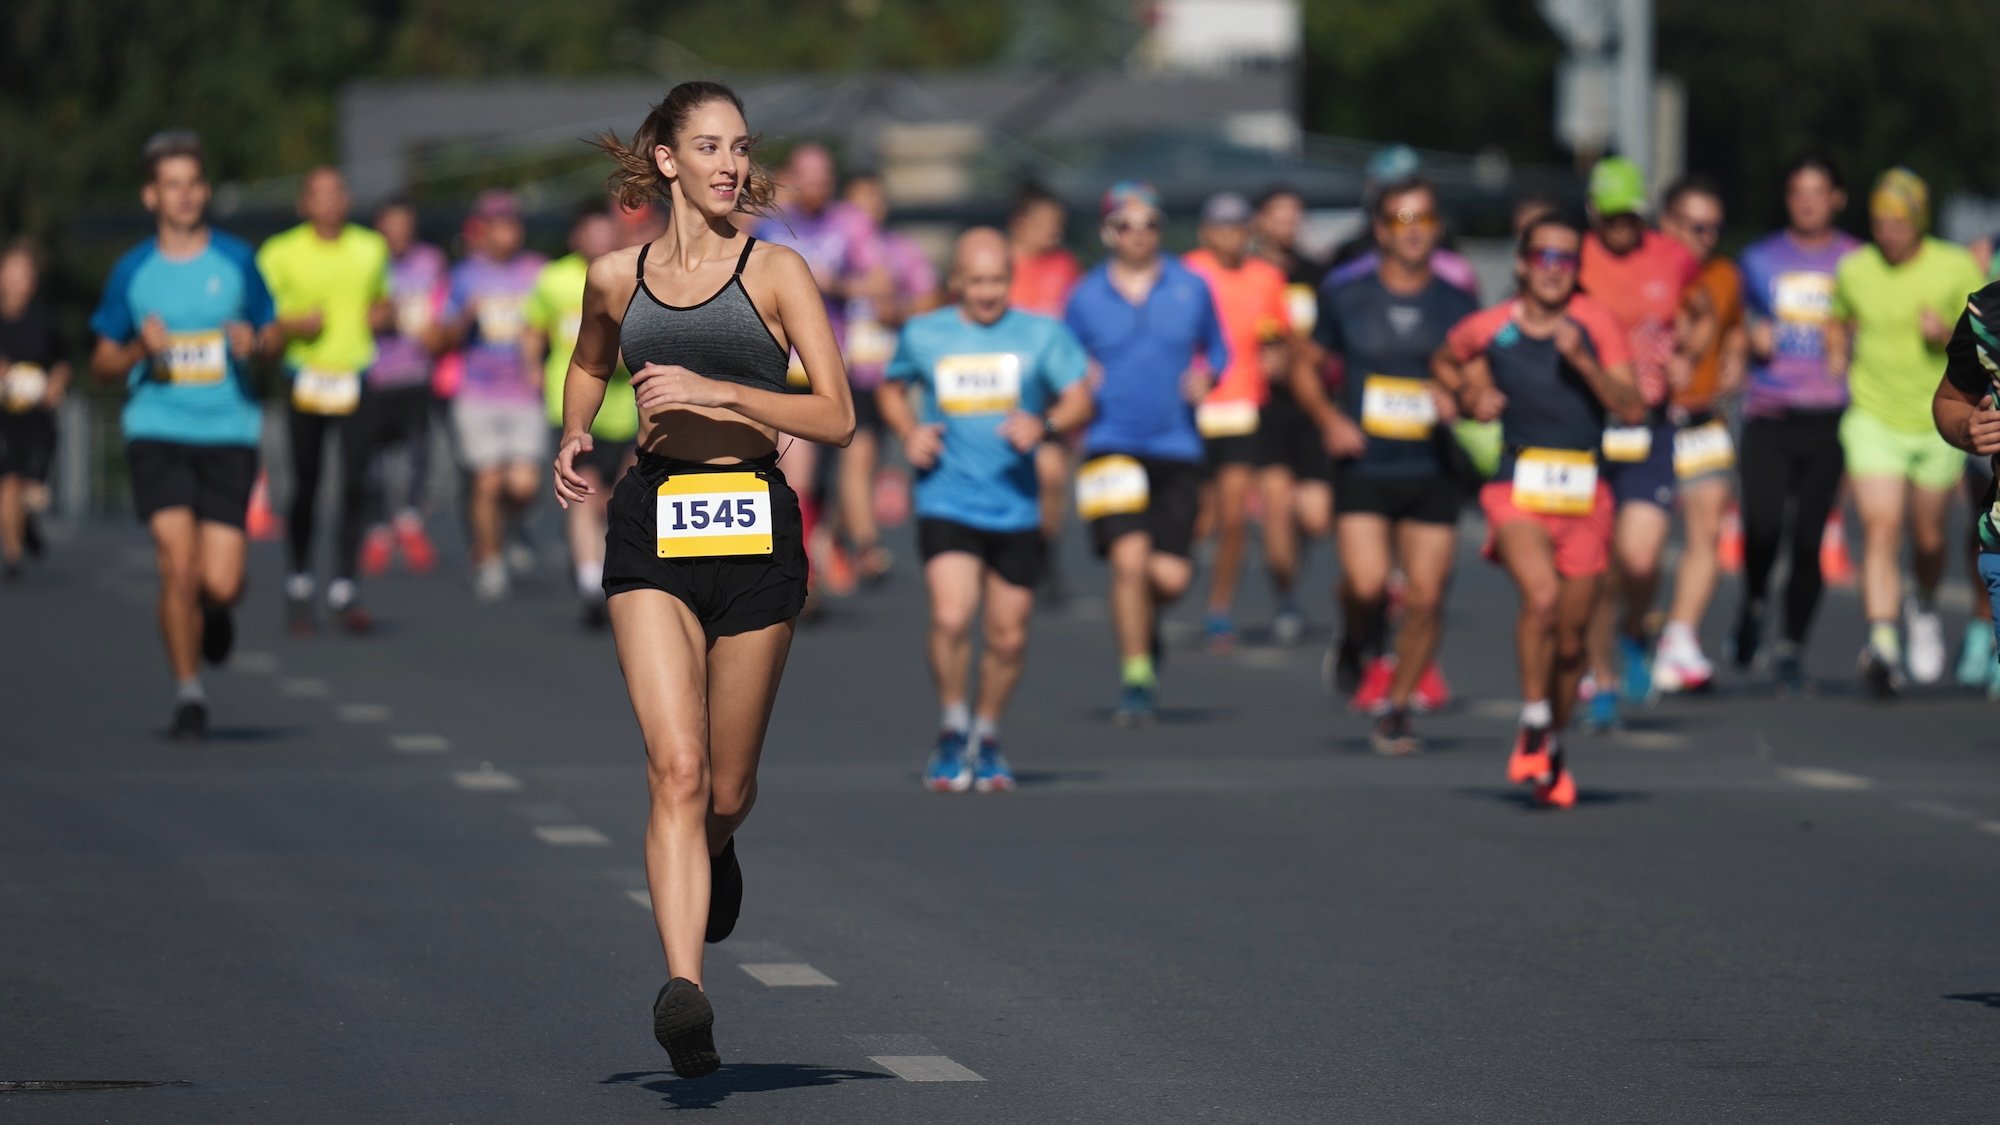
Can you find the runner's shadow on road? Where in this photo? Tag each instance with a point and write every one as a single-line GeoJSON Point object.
{"type": "Point", "coordinates": [1362, 745]}
{"type": "Point", "coordinates": [240, 736]}
{"type": "Point", "coordinates": [1989, 999]}
{"type": "Point", "coordinates": [1585, 798]}
{"type": "Point", "coordinates": [736, 1078]}
{"type": "Point", "coordinates": [1057, 777]}
{"type": "Point", "coordinates": [1166, 716]}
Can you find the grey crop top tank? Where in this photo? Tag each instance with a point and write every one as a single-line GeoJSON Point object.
{"type": "Point", "coordinates": [722, 337]}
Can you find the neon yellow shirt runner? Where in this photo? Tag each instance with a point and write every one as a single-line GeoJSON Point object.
{"type": "Point", "coordinates": [1894, 373]}
{"type": "Point", "coordinates": [555, 308]}
{"type": "Point", "coordinates": [338, 278]}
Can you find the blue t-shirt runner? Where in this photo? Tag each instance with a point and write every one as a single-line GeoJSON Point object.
{"type": "Point", "coordinates": [198, 391]}
{"type": "Point", "coordinates": [1144, 350]}
{"type": "Point", "coordinates": [973, 376]}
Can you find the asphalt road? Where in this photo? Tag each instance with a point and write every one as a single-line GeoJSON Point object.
{"type": "Point", "coordinates": [402, 883]}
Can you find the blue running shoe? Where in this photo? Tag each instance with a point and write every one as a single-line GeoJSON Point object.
{"type": "Point", "coordinates": [1135, 706]}
{"type": "Point", "coordinates": [990, 773]}
{"type": "Point", "coordinates": [950, 770]}
{"type": "Point", "coordinates": [1218, 632]}
{"type": "Point", "coordinates": [1603, 714]}
{"type": "Point", "coordinates": [1638, 685]}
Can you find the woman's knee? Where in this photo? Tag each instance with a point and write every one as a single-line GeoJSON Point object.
{"type": "Point", "coordinates": [677, 772]}
{"type": "Point", "coordinates": [731, 800]}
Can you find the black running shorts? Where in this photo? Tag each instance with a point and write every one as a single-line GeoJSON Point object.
{"type": "Point", "coordinates": [1173, 501]}
{"type": "Point", "coordinates": [1016, 556]}
{"type": "Point", "coordinates": [212, 480]}
{"type": "Point", "coordinates": [1427, 499]}
{"type": "Point", "coordinates": [728, 593]}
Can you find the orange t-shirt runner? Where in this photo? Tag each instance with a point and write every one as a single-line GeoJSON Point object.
{"type": "Point", "coordinates": [1250, 301]}
{"type": "Point", "coordinates": [1042, 282]}
{"type": "Point", "coordinates": [1724, 286]}
{"type": "Point", "coordinates": [1642, 291]}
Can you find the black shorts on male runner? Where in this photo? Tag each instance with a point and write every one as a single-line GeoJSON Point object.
{"type": "Point", "coordinates": [1173, 502]}
{"type": "Point", "coordinates": [867, 411]}
{"type": "Point", "coordinates": [728, 594]}
{"type": "Point", "coordinates": [1289, 438]}
{"type": "Point", "coordinates": [1018, 557]}
{"type": "Point", "coordinates": [1241, 449]}
{"type": "Point", "coordinates": [1425, 499]}
{"type": "Point", "coordinates": [214, 481]}
{"type": "Point", "coordinates": [28, 444]}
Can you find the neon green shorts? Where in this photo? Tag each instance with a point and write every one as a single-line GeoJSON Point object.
{"type": "Point", "coordinates": [1875, 450]}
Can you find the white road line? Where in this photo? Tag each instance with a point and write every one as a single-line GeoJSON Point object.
{"type": "Point", "coordinates": [1495, 708]}
{"type": "Point", "coordinates": [303, 688]}
{"type": "Point", "coordinates": [1940, 809]}
{"type": "Point", "coordinates": [1990, 827]}
{"type": "Point", "coordinates": [1813, 778]}
{"type": "Point", "coordinates": [486, 781]}
{"type": "Point", "coordinates": [571, 836]}
{"type": "Point", "coordinates": [924, 1068]}
{"type": "Point", "coordinates": [641, 897]}
{"type": "Point", "coordinates": [254, 663]}
{"type": "Point", "coordinates": [1653, 740]}
{"type": "Point", "coordinates": [362, 713]}
{"type": "Point", "coordinates": [794, 974]}
{"type": "Point", "coordinates": [419, 743]}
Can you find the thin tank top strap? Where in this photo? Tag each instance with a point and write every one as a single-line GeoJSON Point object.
{"type": "Point", "coordinates": [641, 271]}
{"type": "Point", "coordinates": [749, 240]}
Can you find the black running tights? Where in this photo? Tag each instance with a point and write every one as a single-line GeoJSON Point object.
{"type": "Point", "coordinates": [1791, 462]}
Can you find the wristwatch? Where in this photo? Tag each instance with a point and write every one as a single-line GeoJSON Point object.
{"type": "Point", "coordinates": [1049, 429]}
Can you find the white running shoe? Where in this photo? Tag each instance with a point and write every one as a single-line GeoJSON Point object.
{"type": "Point", "coordinates": [1681, 668]}
{"type": "Point", "coordinates": [489, 581]}
{"type": "Point", "coordinates": [1926, 641]}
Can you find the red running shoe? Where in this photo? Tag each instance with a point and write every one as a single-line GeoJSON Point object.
{"type": "Point", "coordinates": [1557, 791]}
{"type": "Point", "coordinates": [1373, 692]}
{"type": "Point", "coordinates": [1530, 760]}
{"type": "Point", "coordinates": [1431, 692]}
{"type": "Point", "coordinates": [376, 551]}
{"type": "Point", "coordinates": [418, 553]}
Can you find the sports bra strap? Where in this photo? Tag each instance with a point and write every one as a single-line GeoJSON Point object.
{"type": "Point", "coordinates": [749, 240]}
{"type": "Point", "coordinates": [643, 247]}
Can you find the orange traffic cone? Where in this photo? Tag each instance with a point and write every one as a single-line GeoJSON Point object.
{"type": "Point", "coordinates": [260, 522]}
{"type": "Point", "coordinates": [1835, 565]}
{"type": "Point", "coordinates": [1729, 551]}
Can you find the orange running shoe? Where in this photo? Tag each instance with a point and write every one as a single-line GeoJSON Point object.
{"type": "Point", "coordinates": [376, 551]}
{"type": "Point", "coordinates": [1558, 790]}
{"type": "Point", "coordinates": [1835, 565]}
{"type": "Point", "coordinates": [1431, 692]}
{"type": "Point", "coordinates": [1530, 761]}
{"type": "Point", "coordinates": [418, 552]}
{"type": "Point", "coordinates": [1373, 691]}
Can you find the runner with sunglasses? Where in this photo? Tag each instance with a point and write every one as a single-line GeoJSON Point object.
{"type": "Point", "coordinates": [1551, 366]}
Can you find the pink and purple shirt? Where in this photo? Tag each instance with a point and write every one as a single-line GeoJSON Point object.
{"type": "Point", "coordinates": [496, 294]}
{"type": "Point", "coordinates": [1791, 286]}
{"type": "Point", "coordinates": [417, 290]}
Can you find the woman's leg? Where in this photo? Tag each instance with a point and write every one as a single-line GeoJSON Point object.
{"type": "Point", "coordinates": [743, 675]}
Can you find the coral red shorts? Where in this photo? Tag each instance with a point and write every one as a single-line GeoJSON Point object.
{"type": "Point", "coordinates": [1582, 543]}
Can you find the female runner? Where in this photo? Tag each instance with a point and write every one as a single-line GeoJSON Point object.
{"type": "Point", "coordinates": [705, 564]}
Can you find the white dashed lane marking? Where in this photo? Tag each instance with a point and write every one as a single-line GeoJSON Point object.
{"type": "Point", "coordinates": [641, 897]}
{"type": "Point", "coordinates": [1990, 827]}
{"type": "Point", "coordinates": [1813, 778]}
{"type": "Point", "coordinates": [794, 974]}
{"type": "Point", "coordinates": [419, 743]}
{"type": "Point", "coordinates": [571, 836]}
{"type": "Point", "coordinates": [486, 781]}
{"type": "Point", "coordinates": [254, 663]}
{"type": "Point", "coordinates": [1941, 810]}
{"type": "Point", "coordinates": [362, 713]}
{"type": "Point", "coordinates": [925, 1068]}
{"type": "Point", "coordinates": [303, 688]}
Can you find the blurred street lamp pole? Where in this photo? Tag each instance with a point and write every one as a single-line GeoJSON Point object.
{"type": "Point", "coordinates": [1635, 81]}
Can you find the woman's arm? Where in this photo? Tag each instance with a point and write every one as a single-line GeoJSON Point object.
{"type": "Point", "coordinates": [590, 368]}
{"type": "Point", "coordinates": [825, 415]}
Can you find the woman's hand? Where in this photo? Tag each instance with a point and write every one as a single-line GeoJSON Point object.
{"type": "Point", "coordinates": [659, 385]}
{"type": "Point", "coordinates": [571, 488]}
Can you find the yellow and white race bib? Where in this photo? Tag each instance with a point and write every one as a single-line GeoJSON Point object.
{"type": "Point", "coordinates": [500, 320]}
{"type": "Point", "coordinates": [196, 359]}
{"type": "Point", "coordinates": [569, 328]}
{"type": "Point", "coordinates": [413, 314]}
{"type": "Point", "coordinates": [795, 372]}
{"type": "Point", "coordinates": [1111, 486]}
{"type": "Point", "coordinates": [1703, 449]}
{"type": "Point", "coordinates": [1803, 298]}
{"type": "Point", "coordinates": [1237, 418]}
{"type": "Point", "coordinates": [1303, 305]}
{"type": "Point", "coordinates": [1555, 482]}
{"type": "Point", "coordinates": [1628, 445]}
{"type": "Point", "coordinates": [869, 344]}
{"type": "Point", "coordinates": [25, 387]}
{"type": "Point", "coordinates": [332, 393]}
{"type": "Point", "coordinates": [986, 383]}
{"type": "Point", "coordinates": [705, 515]}
{"type": "Point", "coordinates": [1397, 408]}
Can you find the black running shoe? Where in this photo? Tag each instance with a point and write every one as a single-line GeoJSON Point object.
{"type": "Point", "coordinates": [190, 721]}
{"type": "Point", "coordinates": [218, 633]}
{"type": "Point", "coordinates": [31, 536]}
{"type": "Point", "coordinates": [725, 893]}
{"type": "Point", "coordinates": [1749, 634]}
{"type": "Point", "coordinates": [1393, 737]}
{"type": "Point", "coordinates": [596, 613]}
{"type": "Point", "coordinates": [1347, 667]}
{"type": "Point", "coordinates": [685, 1025]}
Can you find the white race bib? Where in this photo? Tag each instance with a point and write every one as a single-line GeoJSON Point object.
{"type": "Point", "coordinates": [1703, 449]}
{"type": "Point", "coordinates": [1397, 408]}
{"type": "Point", "coordinates": [500, 319]}
{"type": "Point", "coordinates": [869, 344]}
{"type": "Point", "coordinates": [333, 393]}
{"type": "Point", "coordinates": [27, 385]}
{"type": "Point", "coordinates": [988, 383]}
{"type": "Point", "coordinates": [705, 515]}
{"type": "Point", "coordinates": [1628, 445]}
{"type": "Point", "coordinates": [196, 358]}
{"type": "Point", "coordinates": [1237, 418]}
{"type": "Point", "coordinates": [795, 372]}
{"type": "Point", "coordinates": [1111, 486]}
{"type": "Point", "coordinates": [413, 315]}
{"type": "Point", "coordinates": [1555, 482]}
{"type": "Point", "coordinates": [1803, 298]}
{"type": "Point", "coordinates": [1303, 305]}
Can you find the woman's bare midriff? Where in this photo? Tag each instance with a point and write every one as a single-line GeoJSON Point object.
{"type": "Point", "coordinates": [709, 435]}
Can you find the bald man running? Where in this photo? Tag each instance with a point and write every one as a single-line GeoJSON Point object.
{"type": "Point", "coordinates": [996, 383]}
